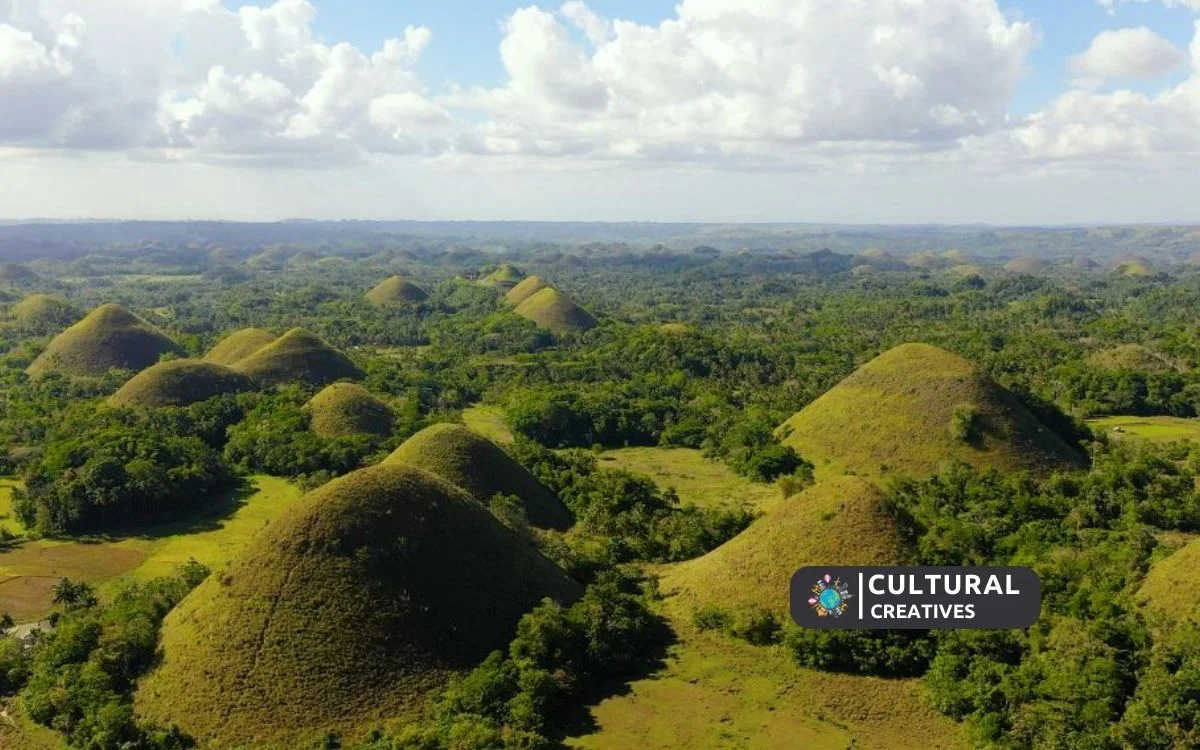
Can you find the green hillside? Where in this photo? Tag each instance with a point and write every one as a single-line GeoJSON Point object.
{"type": "Point", "coordinates": [1132, 357]}
{"type": "Point", "coordinates": [396, 290]}
{"type": "Point", "coordinates": [44, 311]}
{"type": "Point", "coordinates": [298, 356]}
{"type": "Point", "coordinates": [505, 277]}
{"type": "Point", "coordinates": [349, 409]}
{"type": "Point", "coordinates": [1171, 589]}
{"type": "Point", "coordinates": [483, 469]}
{"type": "Point", "coordinates": [180, 382]}
{"type": "Point", "coordinates": [555, 311]}
{"type": "Point", "coordinates": [238, 345]}
{"type": "Point", "coordinates": [365, 597]}
{"type": "Point", "coordinates": [1026, 264]}
{"type": "Point", "coordinates": [915, 407]}
{"type": "Point", "coordinates": [108, 337]}
{"type": "Point", "coordinates": [528, 287]}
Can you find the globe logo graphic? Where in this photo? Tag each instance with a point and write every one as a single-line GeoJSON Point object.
{"type": "Point", "coordinates": [829, 596]}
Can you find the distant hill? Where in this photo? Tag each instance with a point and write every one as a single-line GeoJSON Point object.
{"type": "Point", "coordinates": [298, 356]}
{"type": "Point", "coordinates": [1026, 264]}
{"type": "Point", "coordinates": [348, 409]}
{"type": "Point", "coordinates": [555, 311]}
{"type": "Point", "coordinates": [483, 469]}
{"type": "Point", "coordinates": [840, 521]}
{"type": "Point", "coordinates": [528, 287]}
{"type": "Point", "coordinates": [396, 290]}
{"type": "Point", "coordinates": [180, 382]}
{"type": "Point", "coordinates": [1136, 266]}
{"type": "Point", "coordinates": [1084, 263]}
{"type": "Point", "coordinates": [16, 272]}
{"type": "Point", "coordinates": [1131, 357]}
{"type": "Point", "coordinates": [238, 345]}
{"type": "Point", "coordinates": [355, 606]}
{"type": "Point", "coordinates": [505, 277]}
{"type": "Point", "coordinates": [44, 311]}
{"type": "Point", "coordinates": [897, 413]}
{"type": "Point", "coordinates": [107, 337]}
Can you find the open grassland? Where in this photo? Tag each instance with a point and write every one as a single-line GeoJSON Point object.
{"type": "Point", "coordinates": [489, 422]}
{"type": "Point", "coordinates": [7, 519]}
{"type": "Point", "coordinates": [29, 571]}
{"type": "Point", "coordinates": [717, 693]}
{"type": "Point", "coordinates": [1154, 429]}
{"type": "Point", "coordinates": [708, 484]}
{"type": "Point", "coordinates": [19, 732]}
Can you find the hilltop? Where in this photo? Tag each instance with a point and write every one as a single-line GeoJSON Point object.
{"type": "Point", "coordinates": [396, 290]}
{"type": "Point", "coordinates": [349, 409]}
{"type": "Point", "coordinates": [916, 406]}
{"type": "Point", "coordinates": [107, 337]}
{"type": "Point", "coordinates": [528, 287]}
{"type": "Point", "coordinates": [1026, 264]}
{"type": "Point", "coordinates": [553, 310]}
{"type": "Point", "coordinates": [483, 469]}
{"type": "Point", "coordinates": [298, 356]}
{"type": "Point", "coordinates": [1135, 266]}
{"type": "Point", "coordinates": [352, 608]}
{"type": "Point", "coordinates": [43, 311]}
{"type": "Point", "coordinates": [180, 382]}
{"type": "Point", "coordinates": [238, 345]}
{"type": "Point", "coordinates": [1132, 357]}
{"type": "Point", "coordinates": [505, 277]}
{"type": "Point", "coordinates": [842, 521]}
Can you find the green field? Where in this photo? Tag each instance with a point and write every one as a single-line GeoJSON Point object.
{"type": "Point", "coordinates": [29, 571]}
{"type": "Point", "coordinates": [1154, 429]}
{"type": "Point", "coordinates": [705, 483]}
{"type": "Point", "coordinates": [7, 520]}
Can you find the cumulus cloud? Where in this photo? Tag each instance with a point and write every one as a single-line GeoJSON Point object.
{"type": "Point", "coordinates": [1189, 4]}
{"type": "Point", "coordinates": [1127, 53]}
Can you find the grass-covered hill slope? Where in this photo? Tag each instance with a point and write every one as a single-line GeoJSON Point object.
{"type": "Point", "coordinates": [349, 409]}
{"type": "Point", "coordinates": [238, 345]}
{"type": "Point", "coordinates": [555, 311]}
{"type": "Point", "coordinates": [179, 382]}
{"type": "Point", "coordinates": [913, 408]}
{"type": "Point", "coordinates": [1026, 264]}
{"type": "Point", "coordinates": [108, 337]}
{"type": "Point", "coordinates": [350, 609]}
{"type": "Point", "coordinates": [528, 287]}
{"type": "Point", "coordinates": [1171, 588]}
{"type": "Point", "coordinates": [39, 311]}
{"type": "Point", "coordinates": [16, 272]}
{"type": "Point", "coordinates": [298, 356]}
{"type": "Point", "coordinates": [840, 521]}
{"type": "Point", "coordinates": [1132, 357]}
{"type": "Point", "coordinates": [483, 469]}
{"type": "Point", "coordinates": [505, 277]}
{"type": "Point", "coordinates": [396, 290]}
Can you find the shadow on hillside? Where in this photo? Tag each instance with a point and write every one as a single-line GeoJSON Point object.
{"type": "Point", "coordinates": [209, 515]}
{"type": "Point", "coordinates": [576, 719]}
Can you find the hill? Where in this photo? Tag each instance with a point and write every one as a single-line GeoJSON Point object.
{"type": "Point", "coordinates": [239, 345]}
{"type": "Point", "coordinates": [1084, 263]}
{"type": "Point", "coordinates": [16, 272]}
{"type": "Point", "coordinates": [505, 277]}
{"type": "Point", "coordinates": [349, 409]}
{"type": "Point", "coordinates": [553, 310]}
{"type": "Point", "coordinates": [899, 412]}
{"type": "Point", "coordinates": [43, 310]}
{"type": "Point", "coordinates": [1135, 266]}
{"type": "Point", "coordinates": [179, 382]}
{"type": "Point", "coordinates": [298, 356]}
{"type": "Point", "coordinates": [1026, 264]}
{"type": "Point", "coordinates": [108, 337]}
{"type": "Point", "coordinates": [483, 469]}
{"type": "Point", "coordinates": [842, 521]}
{"type": "Point", "coordinates": [968, 269]}
{"type": "Point", "coordinates": [528, 287]}
{"type": "Point", "coordinates": [356, 604]}
{"type": "Point", "coordinates": [395, 291]}
{"type": "Point", "coordinates": [864, 269]}
{"type": "Point", "coordinates": [1171, 588]}
{"type": "Point", "coordinates": [1132, 357]}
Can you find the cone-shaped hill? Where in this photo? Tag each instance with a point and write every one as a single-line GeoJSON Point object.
{"type": "Point", "coordinates": [483, 469]}
{"type": "Point", "coordinates": [352, 608]}
{"type": "Point", "coordinates": [1026, 264]}
{"type": "Point", "coordinates": [841, 521]}
{"type": "Point", "coordinates": [348, 409]}
{"type": "Point", "coordinates": [916, 406]}
{"type": "Point", "coordinates": [180, 382]}
{"type": "Point", "coordinates": [108, 337]}
{"type": "Point", "coordinates": [528, 287]}
{"type": "Point", "coordinates": [1084, 263]}
{"type": "Point", "coordinates": [396, 290]}
{"type": "Point", "coordinates": [16, 272]}
{"type": "Point", "coordinates": [1131, 357]}
{"type": "Point", "coordinates": [505, 277]}
{"type": "Point", "coordinates": [298, 356]}
{"type": "Point", "coordinates": [555, 311]}
{"type": "Point", "coordinates": [1171, 588]}
{"type": "Point", "coordinates": [1134, 266]}
{"type": "Point", "coordinates": [238, 345]}
{"type": "Point", "coordinates": [44, 310]}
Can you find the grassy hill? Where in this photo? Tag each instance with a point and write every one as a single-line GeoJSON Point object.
{"type": "Point", "coordinates": [1135, 266]}
{"type": "Point", "coordinates": [365, 597]}
{"type": "Point", "coordinates": [1171, 589]}
{"type": "Point", "coordinates": [1133, 357]}
{"type": "Point", "coordinates": [840, 521]}
{"type": "Point", "coordinates": [16, 272]}
{"type": "Point", "coordinates": [108, 337]}
{"type": "Point", "coordinates": [505, 277]}
{"type": "Point", "coordinates": [1084, 263]}
{"type": "Point", "coordinates": [483, 469]}
{"type": "Point", "coordinates": [44, 311]}
{"type": "Point", "coordinates": [905, 411]}
{"type": "Point", "coordinates": [396, 290]}
{"type": "Point", "coordinates": [553, 310]}
{"type": "Point", "coordinates": [349, 409]}
{"type": "Point", "coordinates": [298, 356]}
{"type": "Point", "coordinates": [238, 345]}
{"type": "Point", "coordinates": [180, 382]}
{"type": "Point", "coordinates": [528, 287]}
{"type": "Point", "coordinates": [1026, 264]}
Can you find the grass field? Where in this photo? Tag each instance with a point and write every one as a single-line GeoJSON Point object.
{"type": "Point", "coordinates": [489, 422]}
{"type": "Point", "coordinates": [705, 483]}
{"type": "Point", "coordinates": [1154, 429]}
{"type": "Point", "coordinates": [29, 571]}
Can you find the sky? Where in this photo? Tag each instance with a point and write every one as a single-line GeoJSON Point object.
{"type": "Point", "coordinates": [847, 111]}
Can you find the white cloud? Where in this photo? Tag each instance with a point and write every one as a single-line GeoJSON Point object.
{"type": "Point", "coordinates": [1128, 53]}
{"type": "Point", "coordinates": [1111, 5]}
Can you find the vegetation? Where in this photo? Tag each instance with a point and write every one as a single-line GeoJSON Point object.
{"type": "Point", "coordinates": [180, 382]}
{"type": "Point", "coordinates": [107, 338]}
{"type": "Point", "coordinates": [505, 277]}
{"type": "Point", "coordinates": [238, 345]}
{"type": "Point", "coordinates": [528, 287]}
{"type": "Point", "coordinates": [396, 290]}
{"type": "Point", "coordinates": [44, 313]}
{"type": "Point", "coordinates": [298, 357]}
{"type": "Point", "coordinates": [347, 409]}
{"type": "Point", "coordinates": [554, 311]}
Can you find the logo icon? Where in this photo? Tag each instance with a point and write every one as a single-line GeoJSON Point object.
{"type": "Point", "coordinates": [830, 596]}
